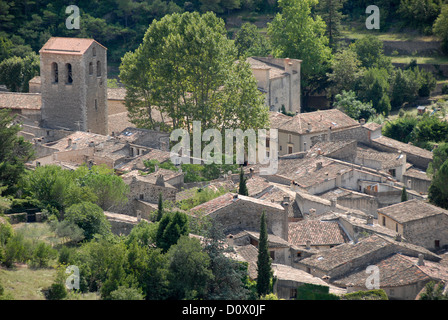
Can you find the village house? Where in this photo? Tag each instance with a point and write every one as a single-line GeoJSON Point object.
{"type": "Point", "coordinates": [418, 222]}
{"type": "Point", "coordinates": [279, 79]}
{"type": "Point", "coordinates": [402, 277]}
{"type": "Point", "coordinates": [236, 212]}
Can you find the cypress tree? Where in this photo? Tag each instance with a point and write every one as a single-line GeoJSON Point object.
{"type": "Point", "coordinates": [243, 187]}
{"type": "Point", "coordinates": [264, 260]}
{"type": "Point", "coordinates": [160, 208]}
{"type": "Point", "coordinates": [404, 195]}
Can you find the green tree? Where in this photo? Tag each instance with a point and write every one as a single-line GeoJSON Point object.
{"type": "Point", "coordinates": [89, 217]}
{"type": "Point", "coordinates": [374, 88]}
{"type": "Point", "coordinates": [171, 228]}
{"type": "Point", "coordinates": [433, 291]}
{"type": "Point", "coordinates": [265, 274]}
{"type": "Point", "coordinates": [189, 272]}
{"type": "Point", "coordinates": [420, 13]}
{"type": "Point", "coordinates": [404, 87]}
{"type": "Point", "coordinates": [440, 27]}
{"type": "Point", "coordinates": [331, 13]}
{"type": "Point", "coordinates": [186, 67]}
{"type": "Point", "coordinates": [250, 42]}
{"type": "Point", "coordinates": [14, 152]}
{"type": "Point", "coordinates": [295, 34]}
{"type": "Point", "coordinates": [16, 72]}
{"type": "Point", "coordinates": [404, 194]}
{"type": "Point", "coordinates": [348, 103]}
{"type": "Point", "coordinates": [242, 189]}
{"type": "Point", "coordinates": [160, 208]}
{"type": "Point", "coordinates": [346, 72]}
{"type": "Point", "coordinates": [228, 275]}
{"type": "Point", "coordinates": [400, 129]}
{"type": "Point", "coordinates": [125, 293]}
{"type": "Point", "coordinates": [369, 50]}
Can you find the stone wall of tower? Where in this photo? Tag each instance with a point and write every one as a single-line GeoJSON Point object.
{"type": "Point", "coordinates": [96, 89]}
{"type": "Point", "coordinates": [81, 104]}
{"type": "Point", "coordinates": [63, 104]}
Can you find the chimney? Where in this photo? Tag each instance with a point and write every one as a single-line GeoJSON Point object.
{"type": "Point", "coordinates": [398, 237]}
{"type": "Point", "coordinates": [139, 215]}
{"type": "Point", "coordinates": [160, 181]}
{"type": "Point", "coordinates": [310, 127]}
{"type": "Point", "coordinates": [251, 172]}
{"type": "Point", "coordinates": [235, 197]}
{"type": "Point", "coordinates": [370, 220]}
{"type": "Point", "coordinates": [69, 142]}
{"type": "Point", "coordinates": [420, 261]}
{"type": "Point", "coordinates": [333, 202]}
{"type": "Point", "coordinates": [286, 199]}
{"type": "Point", "coordinates": [318, 165]}
{"type": "Point", "coordinates": [308, 244]}
{"type": "Point", "coordinates": [362, 121]}
{"type": "Point", "coordinates": [312, 211]}
{"type": "Point", "coordinates": [91, 144]}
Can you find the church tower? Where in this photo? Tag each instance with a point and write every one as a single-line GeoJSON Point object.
{"type": "Point", "coordinates": [74, 85]}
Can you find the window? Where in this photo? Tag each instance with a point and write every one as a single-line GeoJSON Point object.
{"type": "Point", "coordinates": [437, 244]}
{"type": "Point", "coordinates": [96, 105]}
{"type": "Point", "coordinates": [94, 51]}
{"type": "Point", "coordinates": [289, 138]}
{"type": "Point", "coordinates": [384, 221]}
{"type": "Point", "coordinates": [272, 254]}
{"type": "Point", "coordinates": [396, 227]}
{"type": "Point", "coordinates": [90, 68]}
{"type": "Point", "coordinates": [392, 172]}
{"type": "Point", "coordinates": [98, 68]}
{"type": "Point", "coordinates": [293, 293]}
{"type": "Point", "coordinates": [267, 143]}
{"type": "Point", "coordinates": [54, 72]}
{"type": "Point", "coordinates": [289, 149]}
{"type": "Point", "coordinates": [141, 196]}
{"type": "Point", "coordinates": [68, 69]}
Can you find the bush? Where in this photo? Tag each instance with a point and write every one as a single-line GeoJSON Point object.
{"type": "Point", "coordinates": [57, 291]}
{"type": "Point", "coordinates": [90, 218]}
{"type": "Point", "coordinates": [124, 293]}
{"type": "Point", "coordinates": [42, 254]}
{"type": "Point", "coordinates": [309, 291]}
{"type": "Point", "coordinates": [445, 89]}
{"type": "Point", "coordinates": [366, 295]}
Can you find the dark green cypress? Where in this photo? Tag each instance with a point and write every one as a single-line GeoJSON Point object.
{"type": "Point", "coordinates": [264, 260]}
{"type": "Point", "coordinates": [243, 187]}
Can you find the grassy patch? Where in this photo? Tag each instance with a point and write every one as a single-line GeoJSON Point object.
{"type": "Point", "coordinates": [420, 60]}
{"type": "Point", "coordinates": [23, 283]}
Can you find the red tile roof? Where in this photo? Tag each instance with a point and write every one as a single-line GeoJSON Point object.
{"type": "Point", "coordinates": [63, 45]}
{"type": "Point", "coordinates": [318, 232]}
{"type": "Point", "coordinates": [15, 100]}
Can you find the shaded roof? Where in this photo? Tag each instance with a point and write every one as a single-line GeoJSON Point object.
{"type": "Point", "coordinates": [275, 71]}
{"type": "Point", "coordinates": [318, 232]}
{"type": "Point", "coordinates": [404, 147]}
{"type": "Point", "coordinates": [318, 121]}
{"type": "Point", "coordinates": [411, 210]}
{"type": "Point", "coordinates": [398, 270]}
{"type": "Point", "coordinates": [63, 45]}
{"type": "Point", "coordinates": [227, 200]}
{"type": "Point", "coordinates": [16, 101]}
{"type": "Point", "coordinates": [79, 140]}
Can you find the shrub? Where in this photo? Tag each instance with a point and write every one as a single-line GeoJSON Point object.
{"type": "Point", "coordinates": [366, 295]}
{"type": "Point", "coordinates": [89, 217]}
{"type": "Point", "coordinates": [42, 254]}
{"type": "Point", "coordinates": [57, 291]}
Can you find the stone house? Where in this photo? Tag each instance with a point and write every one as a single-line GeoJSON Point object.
{"type": "Point", "coordinates": [304, 130]}
{"type": "Point", "coordinates": [237, 212]}
{"type": "Point", "coordinates": [27, 105]}
{"type": "Point", "coordinates": [402, 277]}
{"type": "Point", "coordinates": [144, 193]}
{"type": "Point", "coordinates": [417, 180]}
{"type": "Point", "coordinates": [343, 259]}
{"type": "Point", "coordinates": [279, 79]}
{"type": "Point", "coordinates": [418, 222]}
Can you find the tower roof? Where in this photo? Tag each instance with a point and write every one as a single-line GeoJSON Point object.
{"type": "Point", "coordinates": [73, 46]}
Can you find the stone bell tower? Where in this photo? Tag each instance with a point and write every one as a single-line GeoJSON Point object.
{"type": "Point", "coordinates": [74, 85]}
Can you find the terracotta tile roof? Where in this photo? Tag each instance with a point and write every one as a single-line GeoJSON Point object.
{"type": "Point", "coordinates": [248, 253]}
{"type": "Point", "coordinates": [138, 162]}
{"type": "Point", "coordinates": [411, 210]}
{"type": "Point", "coordinates": [277, 119]}
{"type": "Point", "coordinates": [318, 121]}
{"type": "Point", "coordinates": [17, 101]}
{"type": "Point", "coordinates": [387, 159]}
{"type": "Point", "coordinates": [116, 93]}
{"type": "Point", "coordinates": [320, 233]}
{"type": "Point", "coordinates": [258, 186]}
{"type": "Point", "coordinates": [63, 45]}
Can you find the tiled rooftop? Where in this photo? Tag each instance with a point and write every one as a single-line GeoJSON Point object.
{"type": "Point", "coordinates": [320, 233]}
{"type": "Point", "coordinates": [319, 121]}
{"type": "Point", "coordinates": [79, 140]}
{"type": "Point", "coordinates": [16, 100]}
{"type": "Point", "coordinates": [407, 148]}
{"type": "Point", "coordinates": [63, 45]}
{"type": "Point", "coordinates": [399, 270]}
{"type": "Point", "coordinates": [411, 210]}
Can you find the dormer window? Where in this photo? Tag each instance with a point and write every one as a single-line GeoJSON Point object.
{"type": "Point", "coordinates": [54, 72]}
{"type": "Point", "coordinates": [68, 68]}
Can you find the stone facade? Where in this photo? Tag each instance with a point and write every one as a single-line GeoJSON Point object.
{"type": "Point", "coordinates": [74, 85]}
